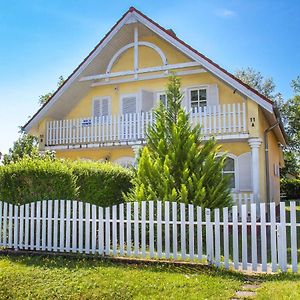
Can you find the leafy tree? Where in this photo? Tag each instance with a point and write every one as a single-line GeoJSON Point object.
{"type": "Point", "coordinates": [45, 98]}
{"type": "Point", "coordinates": [264, 85]}
{"type": "Point", "coordinates": [26, 146]}
{"type": "Point", "coordinates": [176, 165]}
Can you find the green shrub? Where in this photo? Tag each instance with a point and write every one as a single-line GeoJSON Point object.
{"type": "Point", "coordinates": [31, 180]}
{"type": "Point", "coordinates": [291, 188]}
{"type": "Point", "coordinates": [101, 183]}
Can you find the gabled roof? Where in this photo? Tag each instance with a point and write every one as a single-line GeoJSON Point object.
{"type": "Point", "coordinates": [206, 63]}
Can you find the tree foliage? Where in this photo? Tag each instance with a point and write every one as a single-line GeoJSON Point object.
{"type": "Point", "coordinates": [176, 165]}
{"type": "Point", "coordinates": [25, 146]}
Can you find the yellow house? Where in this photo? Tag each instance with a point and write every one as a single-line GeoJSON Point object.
{"type": "Point", "coordinates": [102, 110]}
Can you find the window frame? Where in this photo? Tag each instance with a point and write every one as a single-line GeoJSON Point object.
{"type": "Point", "coordinates": [189, 94]}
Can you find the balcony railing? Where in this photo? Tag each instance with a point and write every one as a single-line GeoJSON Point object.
{"type": "Point", "coordinates": [225, 120]}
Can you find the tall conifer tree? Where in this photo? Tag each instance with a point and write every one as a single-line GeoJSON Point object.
{"type": "Point", "coordinates": [176, 164]}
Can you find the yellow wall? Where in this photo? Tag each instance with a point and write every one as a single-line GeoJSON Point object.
{"type": "Point", "coordinates": [111, 154]}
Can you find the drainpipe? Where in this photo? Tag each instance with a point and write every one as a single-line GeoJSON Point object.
{"type": "Point", "coordinates": [267, 159]}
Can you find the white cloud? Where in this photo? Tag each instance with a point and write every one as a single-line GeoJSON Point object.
{"type": "Point", "coordinates": [225, 13]}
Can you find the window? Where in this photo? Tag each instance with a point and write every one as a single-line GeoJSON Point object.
{"type": "Point", "coordinates": [229, 170]}
{"type": "Point", "coordinates": [162, 97]}
{"type": "Point", "coordinates": [198, 98]}
{"type": "Point", "coordinates": [101, 107]}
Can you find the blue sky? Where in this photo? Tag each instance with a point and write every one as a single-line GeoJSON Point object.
{"type": "Point", "coordinates": [41, 40]}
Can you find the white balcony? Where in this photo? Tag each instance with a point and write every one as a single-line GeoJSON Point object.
{"type": "Point", "coordinates": [223, 122]}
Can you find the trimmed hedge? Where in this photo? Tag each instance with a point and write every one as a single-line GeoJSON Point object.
{"type": "Point", "coordinates": [291, 188]}
{"type": "Point", "coordinates": [101, 183]}
{"type": "Point", "coordinates": [31, 180]}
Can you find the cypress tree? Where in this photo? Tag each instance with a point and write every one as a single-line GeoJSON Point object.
{"type": "Point", "coordinates": [176, 164]}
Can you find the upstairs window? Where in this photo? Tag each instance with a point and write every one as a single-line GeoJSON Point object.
{"type": "Point", "coordinates": [101, 107]}
{"type": "Point", "coordinates": [198, 98]}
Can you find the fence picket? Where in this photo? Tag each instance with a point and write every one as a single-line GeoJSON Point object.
{"type": "Point", "coordinates": [121, 228]}
{"type": "Point", "coordinates": [101, 231]}
{"type": "Point", "coordinates": [253, 237]}
{"type": "Point", "coordinates": [282, 238]}
{"type": "Point", "coordinates": [107, 230]}
{"type": "Point", "coordinates": [26, 241]}
{"type": "Point", "coordinates": [128, 229]}
{"type": "Point", "coordinates": [217, 237]}
{"type": "Point", "coordinates": [74, 227]}
{"type": "Point", "coordinates": [143, 240]}
{"type": "Point", "coordinates": [209, 236]}
{"type": "Point", "coordinates": [191, 231]}
{"type": "Point", "coordinates": [273, 236]}
{"type": "Point", "coordinates": [151, 229]}
{"type": "Point", "coordinates": [182, 231]}
{"type": "Point", "coordinates": [225, 237]}
{"type": "Point", "coordinates": [62, 226]}
{"type": "Point", "coordinates": [263, 234]}
{"type": "Point", "coordinates": [38, 225]}
{"type": "Point", "coordinates": [80, 227]}
{"type": "Point", "coordinates": [159, 232]}
{"type": "Point", "coordinates": [44, 227]}
{"type": "Point", "coordinates": [235, 237]}
{"type": "Point", "coordinates": [68, 226]}
{"type": "Point", "coordinates": [167, 229]}
{"type": "Point", "coordinates": [244, 237]}
{"type": "Point", "coordinates": [199, 233]}
{"type": "Point", "coordinates": [114, 230]}
{"type": "Point", "coordinates": [293, 237]}
{"type": "Point", "coordinates": [174, 220]}
{"type": "Point", "coordinates": [55, 225]}
{"type": "Point", "coordinates": [21, 229]}
{"type": "Point", "coordinates": [32, 216]}
{"type": "Point", "coordinates": [94, 229]}
{"type": "Point", "coordinates": [49, 226]}
{"type": "Point", "coordinates": [16, 227]}
{"type": "Point", "coordinates": [136, 228]}
{"type": "Point", "coordinates": [10, 227]}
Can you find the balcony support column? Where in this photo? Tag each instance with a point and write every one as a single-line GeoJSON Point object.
{"type": "Point", "coordinates": [255, 144]}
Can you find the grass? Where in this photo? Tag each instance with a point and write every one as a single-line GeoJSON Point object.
{"type": "Point", "coordinates": [42, 277]}
{"type": "Point", "coordinates": [279, 286]}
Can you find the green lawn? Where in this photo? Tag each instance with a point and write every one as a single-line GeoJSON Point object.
{"type": "Point", "coordinates": [41, 277]}
{"type": "Point", "coordinates": [279, 286]}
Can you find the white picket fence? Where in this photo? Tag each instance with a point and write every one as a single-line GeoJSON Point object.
{"type": "Point", "coordinates": [267, 242]}
{"type": "Point", "coordinates": [227, 119]}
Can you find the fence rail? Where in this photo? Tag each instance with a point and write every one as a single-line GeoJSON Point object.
{"type": "Point", "coordinates": [158, 230]}
{"type": "Point", "coordinates": [224, 120]}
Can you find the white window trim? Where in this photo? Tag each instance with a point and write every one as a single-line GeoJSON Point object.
{"type": "Point", "coordinates": [101, 98]}
{"type": "Point", "coordinates": [138, 101]}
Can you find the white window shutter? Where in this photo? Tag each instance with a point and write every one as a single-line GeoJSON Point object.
{"type": "Point", "coordinates": [245, 172]}
{"type": "Point", "coordinates": [147, 100]}
{"type": "Point", "coordinates": [96, 108]}
{"type": "Point", "coordinates": [129, 105]}
{"type": "Point", "coordinates": [105, 106]}
{"type": "Point", "coordinates": [213, 95]}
